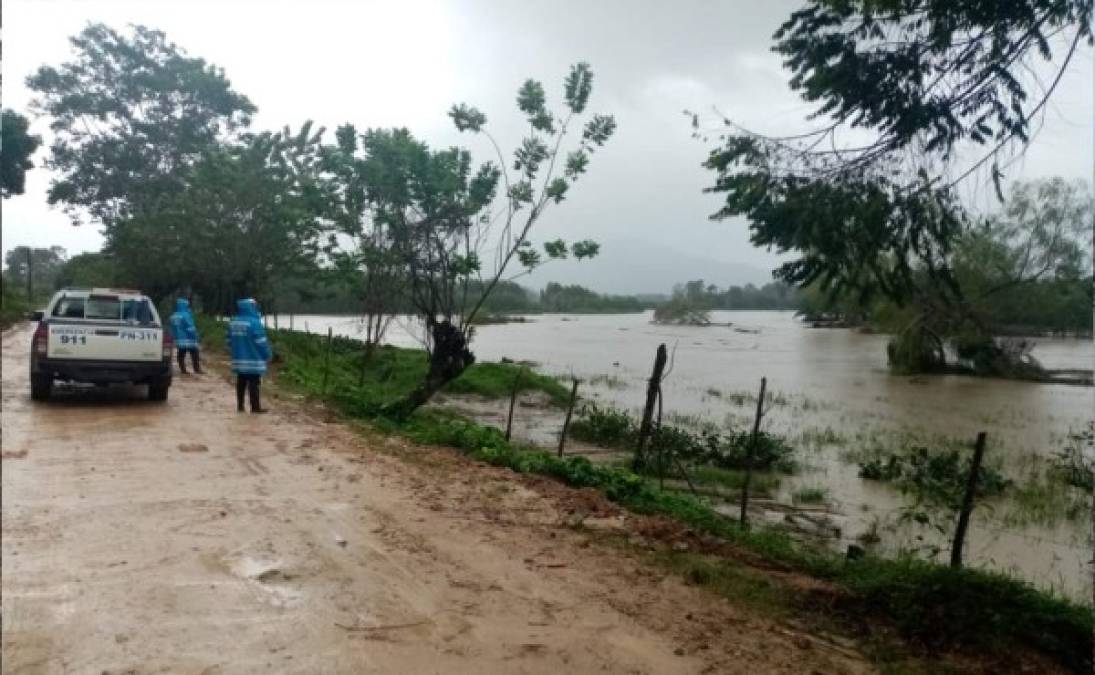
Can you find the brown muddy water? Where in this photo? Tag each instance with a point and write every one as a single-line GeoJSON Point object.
{"type": "Point", "coordinates": [834, 399]}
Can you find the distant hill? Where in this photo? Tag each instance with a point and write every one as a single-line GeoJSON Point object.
{"type": "Point", "coordinates": [629, 267]}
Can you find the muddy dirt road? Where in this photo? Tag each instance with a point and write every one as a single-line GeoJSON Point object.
{"type": "Point", "coordinates": [187, 538]}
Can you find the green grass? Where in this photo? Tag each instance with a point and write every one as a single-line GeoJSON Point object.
{"type": "Point", "coordinates": [495, 380]}
{"type": "Point", "coordinates": [760, 482]}
{"type": "Point", "coordinates": [932, 604]}
{"type": "Point", "coordinates": [817, 437]}
{"type": "Point", "coordinates": [731, 579]}
{"type": "Point", "coordinates": [367, 385]}
{"type": "Point", "coordinates": [1046, 502]}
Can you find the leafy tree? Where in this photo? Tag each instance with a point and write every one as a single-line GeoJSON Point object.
{"type": "Point", "coordinates": [41, 265]}
{"type": "Point", "coordinates": [361, 247]}
{"type": "Point", "coordinates": [449, 229]}
{"type": "Point", "coordinates": [774, 295]}
{"type": "Point", "coordinates": [1023, 271]}
{"type": "Point", "coordinates": [506, 297]}
{"type": "Point", "coordinates": [252, 211]}
{"type": "Point", "coordinates": [131, 115]}
{"type": "Point", "coordinates": [90, 270]}
{"type": "Point", "coordinates": [919, 79]}
{"type": "Point", "coordinates": [17, 145]}
{"type": "Point", "coordinates": [1028, 267]}
{"type": "Point", "coordinates": [559, 298]}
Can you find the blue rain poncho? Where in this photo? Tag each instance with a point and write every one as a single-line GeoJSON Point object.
{"type": "Point", "coordinates": [182, 326]}
{"type": "Point", "coordinates": [247, 340]}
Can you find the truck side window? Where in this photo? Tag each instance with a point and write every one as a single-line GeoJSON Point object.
{"type": "Point", "coordinates": [137, 310]}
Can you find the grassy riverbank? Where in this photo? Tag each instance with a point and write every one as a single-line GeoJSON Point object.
{"type": "Point", "coordinates": [934, 607]}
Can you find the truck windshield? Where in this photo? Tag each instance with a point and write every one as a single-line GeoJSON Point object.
{"type": "Point", "coordinates": [103, 307]}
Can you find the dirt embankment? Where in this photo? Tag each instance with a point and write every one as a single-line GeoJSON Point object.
{"type": "Point", "coordinates": [142, 537]}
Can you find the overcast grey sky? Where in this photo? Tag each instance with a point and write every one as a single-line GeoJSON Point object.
{"type": "Point", "coordinates": [403, 63]}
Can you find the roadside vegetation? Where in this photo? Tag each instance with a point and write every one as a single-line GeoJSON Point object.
{"type": "Point", "coordinates": [368, 384]}
{"type": "Point", "coordinates": [14, 307]}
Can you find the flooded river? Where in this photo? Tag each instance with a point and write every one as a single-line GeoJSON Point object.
{"type": "Point", "coordinates": [832, 397]}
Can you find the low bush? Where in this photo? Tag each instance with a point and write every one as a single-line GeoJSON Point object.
{"type": "Point", "coordinates": [606, 427]}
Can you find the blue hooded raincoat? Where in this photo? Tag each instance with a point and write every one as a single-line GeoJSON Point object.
{"type": "Point", "coordinates": [182, 326]}
{"type": "Point", "coordinates": [247, 340]}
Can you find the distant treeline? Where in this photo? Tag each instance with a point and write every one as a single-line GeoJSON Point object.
{"type": "Point", "coordinates": [774, 295]}
{"type": "Point", "coordinates": [312, 296]}
{"type": "Point", "coordinates": [511, 298]}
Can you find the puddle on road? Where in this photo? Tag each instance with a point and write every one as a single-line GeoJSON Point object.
{"type": "Point", "coordinates": [268, 576]}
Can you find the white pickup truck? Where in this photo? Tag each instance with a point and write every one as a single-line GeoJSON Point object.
{"type": "Point", "coordinates": [100, 336]}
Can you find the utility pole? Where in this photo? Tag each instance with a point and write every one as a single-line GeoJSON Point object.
{"type": "Point", "coordinates": [30, 276]}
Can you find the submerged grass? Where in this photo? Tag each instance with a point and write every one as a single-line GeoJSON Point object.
{"type": "Point", "coordinates": [761, 481]}
{"type": "Point", "coordinates": [810, 495]}
{"type": "Point", "coordinates": [608, 381]}
{"type": "Point", "coordinates": [933, 604]}
{"type": "Point", "coordinates": [1046, 502]}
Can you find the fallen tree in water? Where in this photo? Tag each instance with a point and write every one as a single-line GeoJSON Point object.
{"type": "Point", "coordinates": [921, 349]}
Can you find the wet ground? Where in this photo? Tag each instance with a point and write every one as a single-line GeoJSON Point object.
{"type": "Point", "coordinates": [187, 538]}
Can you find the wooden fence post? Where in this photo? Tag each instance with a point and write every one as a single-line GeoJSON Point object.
{"type": "Point", "coordinates": [967, 501]}
{"type": "Point", "coordinates": [749, 452]}
{"type": "Point", "coordinates": [652, 389]}
{"type": "Point", "coordinates": [566, 421]}
{"type": "Point", "coordinates": [327, 358]}
{"type": "Point", "coordinates": [290, 321]}
{"type": "Point", "coordinates": [512, 401]}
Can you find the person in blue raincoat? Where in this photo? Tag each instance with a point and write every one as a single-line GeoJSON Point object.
{"type": "Point", "coordinates": [250, 352]}
{"type": "Point", "coordinates": [186, 335]}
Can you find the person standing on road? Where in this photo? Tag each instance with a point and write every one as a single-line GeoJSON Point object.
{"type": "Point", "coordinates": [186, 335]}
{"type": "Point", "coordinates": [250, 352]}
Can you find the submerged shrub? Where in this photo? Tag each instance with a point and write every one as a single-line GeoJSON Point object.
{"type": "Point", "coordinates": [1075, 465]}
{"type": "Point", "coordinates": [604, 426]}
{"type": "Point", "coordinates": [940, 476]}
{"type": "Point", "coordinates": [614, 428]}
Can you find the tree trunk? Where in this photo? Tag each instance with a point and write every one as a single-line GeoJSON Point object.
{"type": "Point", "coordinates": [652, 388]}
{"type": "Point", "coordinates": [450, 357]}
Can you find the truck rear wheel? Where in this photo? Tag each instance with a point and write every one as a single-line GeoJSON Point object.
{"type": "Point", "coordinates": [41, 385]}
{"type": "Point", "coordinates": [157, 390]}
